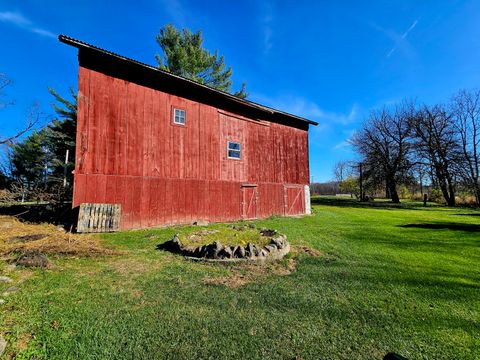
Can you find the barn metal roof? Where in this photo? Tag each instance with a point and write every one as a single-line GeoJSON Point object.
{"type": "Point", "coordinates": [83, 45]}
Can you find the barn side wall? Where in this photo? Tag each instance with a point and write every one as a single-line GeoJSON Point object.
{"type": "Point", "coordinates": [130, 152]}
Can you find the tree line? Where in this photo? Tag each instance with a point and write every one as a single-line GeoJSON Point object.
{"type": "Point", "coordinates": [407, 143]}
{"type": "Point", "coordinates": [39, 165]}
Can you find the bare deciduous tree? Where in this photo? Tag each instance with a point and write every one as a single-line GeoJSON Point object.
{"type": "Point", "coordinates": [436, 143]}
{"type": "Point", "coordinates": [466, 111]}
{"type": "Point", "coordinates": [384, 142]}
{"type": "Point", "coordinates": [4, 82]}
{"type": "Point", "coordinates": [32, 117]}
{"type": "Point", "coordinates": [342, 170]}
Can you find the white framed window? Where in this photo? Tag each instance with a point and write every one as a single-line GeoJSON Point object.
{"type": "Point", "coordinates": [179, 116]}
{"type": "Point", "coordinates": [234, 150]}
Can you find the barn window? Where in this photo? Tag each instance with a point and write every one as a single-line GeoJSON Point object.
{"type": "Point", "coordinates": [234, 150]}
{"type": "Point", "coordinates": [179, 116]}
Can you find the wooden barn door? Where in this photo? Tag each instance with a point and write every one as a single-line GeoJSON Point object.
{"type": "Point", "coordinates": [249, 202]}
{"type": "Point", "coordinates": [294, 200]}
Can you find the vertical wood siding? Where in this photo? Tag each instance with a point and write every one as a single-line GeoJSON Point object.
{"type": "Point", "coordinates": [129, 152]}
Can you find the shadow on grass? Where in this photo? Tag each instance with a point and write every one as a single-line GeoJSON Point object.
{"type": "Point", "coordinates": [445, 225]}
{"type": "Point", "coordinates": [381, 204]}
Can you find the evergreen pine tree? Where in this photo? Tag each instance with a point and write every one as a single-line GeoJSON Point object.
{"type": "Point", "coordinates": [184, 55]}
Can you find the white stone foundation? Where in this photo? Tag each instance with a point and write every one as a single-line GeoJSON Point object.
{"type": "Point", "coordinates": [308, 206]}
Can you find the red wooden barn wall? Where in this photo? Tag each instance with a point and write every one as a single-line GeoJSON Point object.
{"type": "Point", "coordinates": [129, 152]}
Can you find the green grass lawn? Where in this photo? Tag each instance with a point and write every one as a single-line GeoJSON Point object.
{"type": "Point", "coordinates": [391, 278]}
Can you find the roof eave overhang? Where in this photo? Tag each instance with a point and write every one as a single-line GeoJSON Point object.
{"type": "Point", "coordinates": [93, 50]}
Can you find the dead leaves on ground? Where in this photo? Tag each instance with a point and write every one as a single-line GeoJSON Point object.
{"type": "Point", "coordinates": [19, 237]}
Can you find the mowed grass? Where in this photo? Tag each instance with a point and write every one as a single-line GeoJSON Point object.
{"type": "Point", "coordinates": [225, 234]}
{"type": "Point", "coordinates": [403, 279]}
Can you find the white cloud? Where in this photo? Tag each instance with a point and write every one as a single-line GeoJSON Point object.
{"type": "Point", "coordinates": [402, 38]}
{"type": "Point", "coordinates": [345, 144]}
{"type": "Point", "coordinates": [341, 145]}
{"type": "Point", "coordinates": [400, 41]}
{"type": "Point", "coordinates": [22, 22]}
{"type": "Point", "coordinates": [176, 11]}
{"type": "Point", "coordinates": [266, 20]}
{"type": "Point", "coordinates": [14, 18]}
{"type": "Point", "coordinates": [309, 109]}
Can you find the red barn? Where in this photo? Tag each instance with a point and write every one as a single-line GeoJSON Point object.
{"type": "Point", "coordinates": [172, 151]}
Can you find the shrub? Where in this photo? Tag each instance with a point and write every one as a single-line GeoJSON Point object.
{"type": "Point", "coordinates": [436, 196]}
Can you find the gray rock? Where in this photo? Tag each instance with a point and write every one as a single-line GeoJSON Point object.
{"type": "Point", "coordinates": [261, 253]}
{"type": "Point", "coordinates": [5, 279]}
{"type": "Point", "coordinates": [174, 245]}
{"type": "Point", "coordinates": [256, 250]}
{"type": "Point", "coordinates": [188, 251]}
{"type": "Point", "coordinates": [240, 252]}
{"type": "Point", "coordinates": [201, 223]}
{"type": "Point", "coordinates": [279, 242]}
{"type": "Point", "coordinates": [271, 247]}
{"type": "Point", "coordinates": [201, 251]}
{"type": "Point", "coordinates": [226, 253]}
{"type": "Point", "coordinates": [10, 290]}
{"type": "Point", "coordinates": [197, 251]}
{"type": "Point", "coordinates": [213, 250]}
{"type": "Point", "coordinates": [268, 232]}
{"type": "Point", "coordinates": [250, 250]}
{"type": "Point", "coordinates": [3, 345]}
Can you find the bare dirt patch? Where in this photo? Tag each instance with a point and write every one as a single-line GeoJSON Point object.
{"type": "Point", "coordinates": [23, 341]}
{"type": "Point", "coordinates": [302, 249]}
{"type": "Point", "coordinates": [242, 274]}
{"type": "Point", "coordinates": [19, 237]}
{"type": "Point", "coordinates": [33, 258]}
{"type": "Point", "coordinates": [26, 238]}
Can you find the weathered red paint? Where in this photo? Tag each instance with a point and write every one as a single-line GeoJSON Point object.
{"type": "Point", "coordinates": [130, 152]}
{"type": "Point", "coordinates": [249, 202]}
{"type": "Point", "coordinates": [294, 200]}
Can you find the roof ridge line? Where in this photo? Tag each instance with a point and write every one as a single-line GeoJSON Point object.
{"type": "Point", "coordinates": [82, 44]}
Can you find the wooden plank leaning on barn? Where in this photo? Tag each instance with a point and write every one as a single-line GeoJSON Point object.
{"type": "Point", "coordinates": [93, 218]}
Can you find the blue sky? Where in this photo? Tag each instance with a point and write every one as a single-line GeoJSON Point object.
{"type": "Point", "coordinates": [330, 61]}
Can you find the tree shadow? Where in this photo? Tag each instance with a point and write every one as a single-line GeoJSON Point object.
{"type": "Point", "coordinates": [57, 214]}
{"type": "Point", "coordinates": [445, 225]}
{"type": "Point", "coordinates": [376, 204]}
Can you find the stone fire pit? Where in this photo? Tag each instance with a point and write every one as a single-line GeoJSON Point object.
{"type": "Point", "coordinates": [269, 245]}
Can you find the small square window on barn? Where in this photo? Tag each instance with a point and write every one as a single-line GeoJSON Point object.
{"type": "Point", "coordinates": [179, 116]}
{"type": "Point", "coordinates": [234, 150]}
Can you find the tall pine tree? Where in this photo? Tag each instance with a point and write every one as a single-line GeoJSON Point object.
{"type": "Point", "coordinates": [30, 159]}
{"type": "Point", "coordinates": [38, 161]}
{"type": "Point", "coordinates": [184, 55]}
{"type": "Point", "coordinates": [61, 134]}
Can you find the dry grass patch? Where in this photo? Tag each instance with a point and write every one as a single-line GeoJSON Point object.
{"type": "Point", "coordinates": [302, 249]}
{"type": "Point", "coordinates": [244, 273]}
{"type": "Point", "coordinates": [20, 237]}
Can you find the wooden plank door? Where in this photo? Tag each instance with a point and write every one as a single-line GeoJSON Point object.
{"type": "Point", "coordinates": [294, 200]}
{"type": "Point", "coordinates": [249, 202]}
